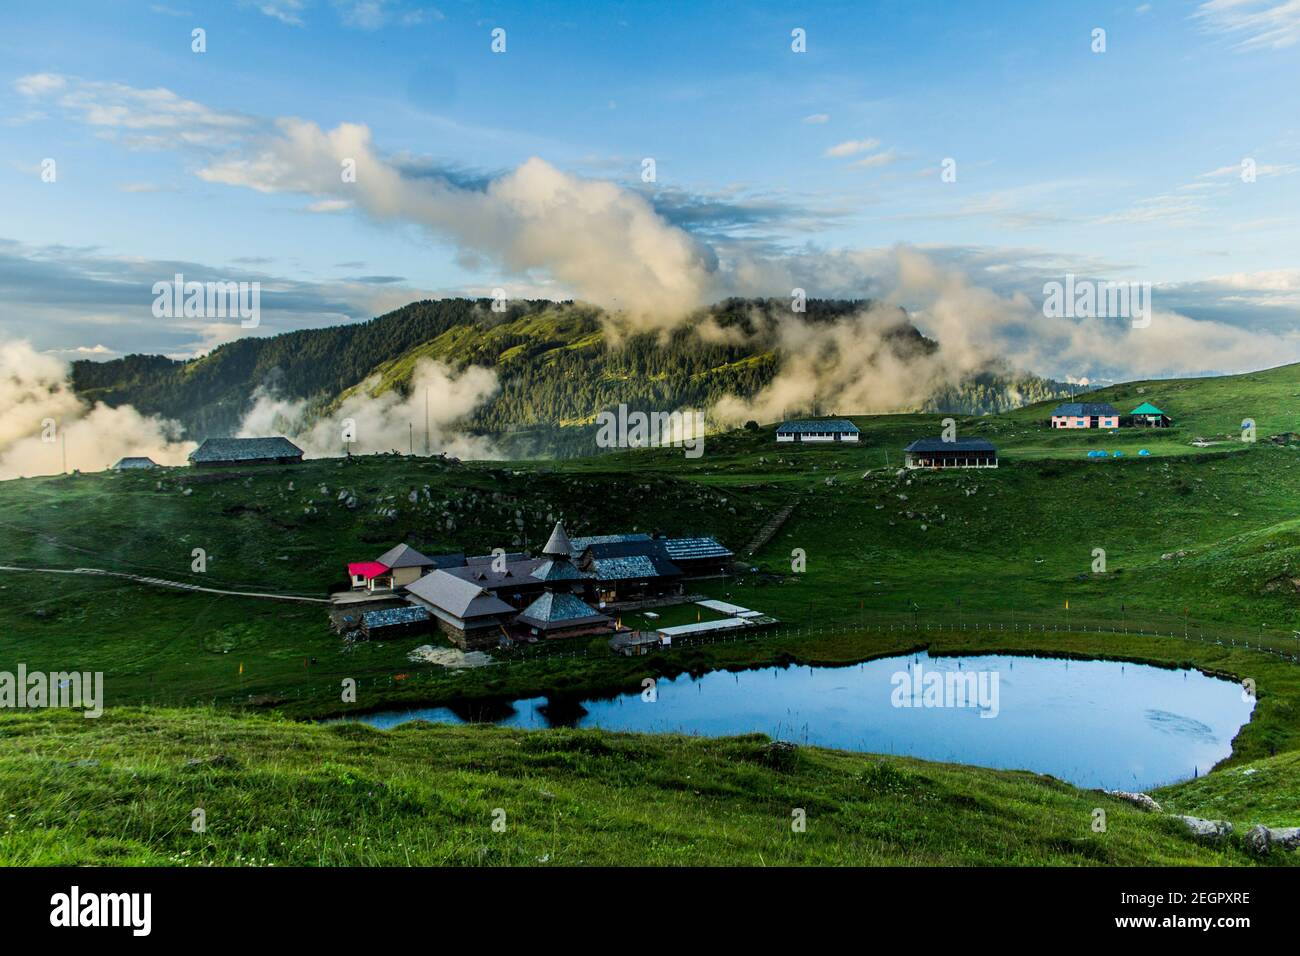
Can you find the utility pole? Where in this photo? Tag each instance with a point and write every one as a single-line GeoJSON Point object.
{"type": "Point", "coordinates": [64, 436]}
{"type": "Point", "coordinates": [427, 449]}
{"type": "Point", "coordinates": [410, 438]}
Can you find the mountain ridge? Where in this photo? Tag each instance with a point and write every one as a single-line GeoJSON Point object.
{"type": "Point", "coordinates": [557, 366]}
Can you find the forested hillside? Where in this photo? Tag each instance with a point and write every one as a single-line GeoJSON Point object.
{"type": "Point", "coordinates": [555, 362]}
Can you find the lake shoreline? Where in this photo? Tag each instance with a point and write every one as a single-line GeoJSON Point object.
{"type": "Point", "coordinates": [1053, 722]}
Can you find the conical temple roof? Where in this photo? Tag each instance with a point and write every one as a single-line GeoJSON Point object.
{"type": "Point", "coordinates": [558, 545]}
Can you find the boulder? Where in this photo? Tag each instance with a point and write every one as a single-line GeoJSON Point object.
{"type": "Point", "coordinates": [1261, 839]}
{"type": "Point", "coordinates": [1211, 830]}
{"type": "Point", "coordinates": [1137, 799]}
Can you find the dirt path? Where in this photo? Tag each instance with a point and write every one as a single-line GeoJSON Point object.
{"type": "Point", "coordinates": [160, 582]}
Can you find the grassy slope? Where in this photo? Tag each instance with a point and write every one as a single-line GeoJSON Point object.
{"type": "Point", "coordinates": [1008, 545]}
{"type": "Point", "coordinates": [118, 790]}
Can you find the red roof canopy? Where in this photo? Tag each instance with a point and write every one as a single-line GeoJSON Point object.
{"type": "Point", "coordinates": [367, 569]}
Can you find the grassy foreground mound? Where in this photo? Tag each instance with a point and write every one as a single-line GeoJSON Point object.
{"type": "Point", "coordinates": [122, 790]}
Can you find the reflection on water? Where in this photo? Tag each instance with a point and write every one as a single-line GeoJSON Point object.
{"type": "Point", "coordinates": [1094, 723]}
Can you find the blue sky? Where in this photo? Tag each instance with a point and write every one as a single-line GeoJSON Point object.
{"type": "Point", "coordinates": [1122, 165]}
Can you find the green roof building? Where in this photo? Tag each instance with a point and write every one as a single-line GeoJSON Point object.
{"type": "Point", "coordinates": [1149, 416]}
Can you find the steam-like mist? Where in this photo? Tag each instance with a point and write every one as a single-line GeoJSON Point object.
{"type": "Point", "coordinates": [41, 417]}
{"type": "Point", "coordinates": [607, 245]}
{"type": "Point", "coordinates": [853, 364]}
{"type": "Point", "coordinates": [603, 241]}
{"type": "Point", "coordinates": [596, 240]}
{"type": "Point", "coordinates": [384, 422]}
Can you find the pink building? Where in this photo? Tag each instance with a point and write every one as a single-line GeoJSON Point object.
{"type": "Point", "coordinates": [1085, 415]}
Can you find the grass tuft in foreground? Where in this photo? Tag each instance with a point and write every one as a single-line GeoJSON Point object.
{"type": "Point", "coordinates": [122, 790]}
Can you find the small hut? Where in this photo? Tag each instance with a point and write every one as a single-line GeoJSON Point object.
{"type": "Point", "coordinates": [960, 453]}
{"type": "Point", "coordinates": [133, 464]}
{"type": "Point", "coordinates": [230, 452]}
{"type": "Point", "coordinates": [394, 621]}
{"type": "Point", "coordinates": [1147, 415]}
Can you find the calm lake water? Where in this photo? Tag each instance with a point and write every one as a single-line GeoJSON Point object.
{"type": "Point", "coordinates": [1093, 723]}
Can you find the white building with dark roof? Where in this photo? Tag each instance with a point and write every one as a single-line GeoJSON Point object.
{"type": "Point", "coordinates": [818, 430]}
{"type": "Point", "coordinates": [959, 453]}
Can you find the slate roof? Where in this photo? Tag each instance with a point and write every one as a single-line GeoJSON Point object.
{"type": "Point", "coordinates": [394, 616]}
{"type": "Point", "coordinates": [485, 576]}
{"type": "Point", "coordinates": [558, 570]}
{"type": "Point", "coordinates": [801, 426]}
{"type": "Point", "coordinates": [630, 560]}
{"type": "Point", "coordinates": [126, 463]}
{"type": "Point", "coordinates": [454, 559]}
{"type": "Point", "coordinates": [1085, 410]}
{"type": "Point", "coordinates": [458, 597]}
{"type": "Point", "coordinates": [244, 449]}
{"type": "Point", "coordinates": [630, 568]}
{"type": "Point", "coordinates": [558, 544]}
{"type": "Point", "coordinates": [511, 557]}
{"type": "Point", "coordinates": [1146, 408]}
{"type": "Point", "coordinates": [686, 549]}
{"type": "Point", "coordinates": [961, 444]}
{"type": "Point", "coordinates": [579, 545]}
{"type": "Point", "coordinates": [404, 556]}
{"type": "Point", "coordinates": [552, 610]}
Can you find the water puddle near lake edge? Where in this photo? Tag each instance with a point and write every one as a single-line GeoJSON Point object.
{"type": "Point", "coordinates": [1093, 723]}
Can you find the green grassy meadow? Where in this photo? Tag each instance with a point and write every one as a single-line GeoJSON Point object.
{"type": "Point", "coordinates": [1201, 542]}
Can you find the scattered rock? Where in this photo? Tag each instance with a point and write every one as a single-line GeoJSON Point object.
{"type": "Point", "coordinates": [779, 754]}
{"type": "Point", "coordinates": [1211, 830]}
{"type": "Point", "coordinates": [1261, 839]}
{"type": "Point", "coordinates": [1138, 799]}
{"type": "Point", "coordinates": [449, 657]}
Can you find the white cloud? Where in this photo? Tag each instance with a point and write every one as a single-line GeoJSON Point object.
{"type": "Point", "coordinates": [40, 84]}
{"type": "Point", "coordinates": [37, 403]}
{"type": "Point", "coordinates": [330, 205]}
{"type": "Point", "coordinates": [387, 421]}
{"type": "Point", "coordinates": [143, 118]}
{"type": "Point", "coordinates": [286, 11]}
{"type": "Point", "coordinates": [817, 119]}
{"type": "Point", "coordinates": [1253, 24]}
{"type": "Point", "coordinates": [851, 148]}
{"type": "Point", "coordinates": [876, 161]}
{"type": "Point", "coordinates": [603, 241]}
{"type": "Point", "coordinates": [1261, 170]}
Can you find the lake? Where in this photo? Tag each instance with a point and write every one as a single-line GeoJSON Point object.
{"type": "Point", "coordinates": [1093, 723]}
